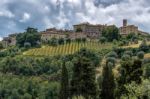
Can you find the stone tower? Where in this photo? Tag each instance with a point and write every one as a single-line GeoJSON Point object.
{"type": "Point", "coordinates": [124, 22]}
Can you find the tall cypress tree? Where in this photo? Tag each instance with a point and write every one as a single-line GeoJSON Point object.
{"type": "Point", "coordinates": [88, 76]}
{"type": "Point", "coordinates": [64, 91]}
{"type": "Point", "coordinates": [84, 77]}
{"type": "Point", "coordinates": [108, 84]}
{"type": "Point", "coordinates": [75, 89]}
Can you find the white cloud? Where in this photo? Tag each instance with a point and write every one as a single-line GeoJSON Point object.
{"type": "Point", "coordinates": [62, 20]}
{"type": "Point", "coordinates": [6, 13]}
{"type": "Point", "coordinates": [48, 23]}
{"type": "Point", "coordinates": [26, 17]}
{"type": "Point", "coordinates": [1, 38]}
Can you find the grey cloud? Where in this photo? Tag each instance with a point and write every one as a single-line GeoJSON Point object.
{"type": "Point", "coordinates": [65, 13]}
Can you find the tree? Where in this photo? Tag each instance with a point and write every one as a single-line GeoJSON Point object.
{"type": "Point", "coordinates": [84, 40]}
{"type": "Point", "coordinates": [131, 36]}
{"type": "Point", "coordinates": [136, 71]}
{"type": "Point", "coordinates": [31, 36]}
{"type": "Point", "coordinates": [126, 57]}
{"type": "Point", "coordinates": [128, 53]}
{"type": "Point", "coordinates": [61, 41]}
{"type": "Point", "coordinates": [68, 40]}
{"type": "Point", "coordinates": [137, 91]}
{"type": "Point", "coordinates": [53, 41]}
{"type": "Point", "coordinates": [83, 79]}
{"type": "Point", "coordinates": [108, 84]}
{"type": "Point", "coordinates": [143, 46]}
{"type": "Point", "coordinates": [1, 45]}
{"type": "Point", "coordinates": [79, 30]}
{"type": "Point", "coordinates": [102, 40]}
{"type": "Point", "coordinates": [27, 45]}
{"type": "Point", "coordinates": [140, 55]}
{"type": "Point", "coordinates": [112, 54]}
{"type": "Point", "coordinates": [146, 70]}
{"type": "Point", "coordinates": [131, 70]}
{"type": "Point", "coordinates": [112, 60]}
{"type": "Point", "coordinates": [64, 90]}
{"type": "Point", "coordinates": [111, 33]}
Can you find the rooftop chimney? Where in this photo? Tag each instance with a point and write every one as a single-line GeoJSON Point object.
{"type": "Point", "coordinates": [124, 22]}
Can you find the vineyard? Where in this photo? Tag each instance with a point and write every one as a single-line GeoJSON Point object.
{"type": "Point", "coordinates": [66, 49]}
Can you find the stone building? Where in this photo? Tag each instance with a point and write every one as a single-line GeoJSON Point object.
{"type": "Point", "coordinates": [54, 33]}
{"type": "Point", "coordinates": [9, 41]}
{"type": "Point", "coordinates": [127, 29]}
{"type": "Point", "coordinates": [76, 35]}
{"type": "Point", "coordinates": [92, 31]}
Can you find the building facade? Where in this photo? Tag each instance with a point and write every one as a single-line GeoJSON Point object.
{"type": "Point", "coordinates": [76, 35]}
{"type": "Point", "coordinates": [51, 33]}
{"type": "Point", "coordinates": [9, 41]}
{"type": "Point", "coordinates": [55, 33]}
{"type": "Point", "coordinates": [92, 31]}
{"type": "Point", "coordinates": [127, 29]}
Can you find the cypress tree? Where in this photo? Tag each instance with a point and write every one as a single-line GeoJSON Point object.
{"type": "Point", "coordinates": [88, 76]}
{"type": "Point", "coordinates": [75, 89]}
{"type": "Point", "coordinates": [84, 77]}
{"type": "Point", "coordinates": [108, 84]}
{"type": "Point", "coordinates": [64, 90]}
{"type": "Point", "coordinates": [136, 72]}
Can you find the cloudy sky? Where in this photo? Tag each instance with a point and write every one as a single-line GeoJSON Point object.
{"type": "Point", "coordinates": [16, 15]}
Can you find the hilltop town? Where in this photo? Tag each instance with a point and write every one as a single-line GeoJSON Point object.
{"type": "Point", "coordinates": [75, 49]}
{"type": "Point", "coordinates": [92, 57]}
{"type": "Point", "coordinates": [82, 30]}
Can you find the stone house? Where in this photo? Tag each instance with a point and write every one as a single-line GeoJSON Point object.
{"type": "Point", "coordinates": [127, 29]}
{"type": "Point", "coordinates": [53, 33]}
{"type": "Point", "coordinates": [92, 31]}
{"type": "Point", "coordinates": [9, 41]}
{"type": "Point", "coordinates": [76, 35]}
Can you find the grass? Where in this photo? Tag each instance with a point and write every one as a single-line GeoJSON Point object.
{"type": "Point", "coordinates": [66, 49]}
{"type": "Point", "coordinates": [147, 55]}
{"type": "Point", "coordinates": [135, 45]}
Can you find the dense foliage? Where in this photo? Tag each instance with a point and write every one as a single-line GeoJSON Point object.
{"type": "Point", "coordinates": [29, 38]}
{"type": "Point", "coordinates": [18, 87]}
{"type": "Point", "coordinates": [75, 69]}
{"type": "Point", "coordinates": [111, 33]}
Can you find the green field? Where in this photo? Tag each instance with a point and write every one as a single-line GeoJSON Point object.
{"type": "Point", "coordinates": [66, 49]}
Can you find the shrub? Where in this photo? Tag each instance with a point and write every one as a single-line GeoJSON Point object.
{"type": "Point", "coordinates": [68, 40]}
{"type": "Point", "coordinates": [146, 70]}
{"type": "Point", "coordinates": [129, 53]}
{"type": "Point", "coordinates": [78, 97]}
{"type": "Point", "coordinates": [126, 57]}
{"type": "Point", "coordinates": [78, 30]}
{"type": "Point", "coordinates": [102, 40]}
{"type": "Point", "coordinates": [143, 46]}
{"type": "Point", "coordinates": [111, 60]}
{"type": "Point", "coordinates": [145, 61]}
{"type": "Point", "coordinates": [61, 41]}
{"type": "Point", "coordinates": [112, 54]}
{"type": "Point", "coordinates": [84, 40]}
{"type": "Point", "coordinates": [140, 55]}
{"type": "Point", "coordinates": [38, 44]}
{"type": "Point", "coordinates": [124, 43]}
{"type": "Point", "coordinates": [53, 42]}
{"type": "Point", "coordinates": [27, 45]}
{"type": "Point", "coordinates": [78, 39]}
{"type": "Point", "coordinates": [136, 41]}
{"type": "Point", "coordinates": [114, 41]}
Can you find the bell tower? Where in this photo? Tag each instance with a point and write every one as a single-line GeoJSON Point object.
{"type": "Point", "coordinates": [125, 22]}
